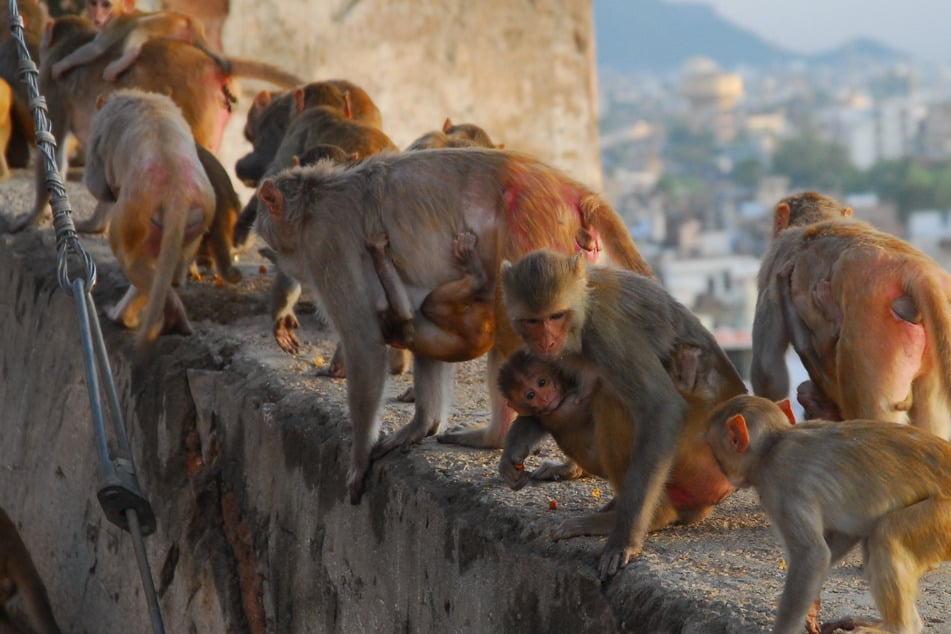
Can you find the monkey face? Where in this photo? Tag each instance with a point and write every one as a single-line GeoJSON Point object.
{"type": "Point", "coordinates": [547, 334]}
{"type": "Point", "coordinates": [537, 393]}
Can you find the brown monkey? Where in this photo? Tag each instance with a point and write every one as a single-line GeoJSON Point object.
{"type": "Point", "coordinates": [18, 575]}
{"type": "Point", "coordinates": [867, 314]}
{"type": "Point", "coordinates": [828, 486]}
{"type": "Point", "coordinates": [271, 113]}
{"type": "Point", "coordinates": [421, 201]}
{"type": "Point", "coordinates": [193, 80]}
{"type": "Point", "coordinates": [455, 321]}
{"type": "Point", "coordinates": [622, 328]}
{"type": "Point", "coordinates": [461, 135]}
{"type": "Point", "coordinates": [34, 16]}
{"type": "Point", "coordinates": [133, 29]}
{"type": "Point", "coordinates": [141, 148]}
{"type": "Point", "coordinates": [216, 245]}
{"type": "Point", "coordinates": [311, 126]}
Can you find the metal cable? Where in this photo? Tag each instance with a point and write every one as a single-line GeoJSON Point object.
{"type": "Point", "coordinates": [118, 493]}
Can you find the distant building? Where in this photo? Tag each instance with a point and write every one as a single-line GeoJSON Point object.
{"type": "Point", "coordinates": [712, 96]}
{"type": "Point", "coordinates": [934, 137]}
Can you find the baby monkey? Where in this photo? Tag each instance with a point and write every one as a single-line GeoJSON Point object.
{"type": "Point", "coordinates": [829, 486]}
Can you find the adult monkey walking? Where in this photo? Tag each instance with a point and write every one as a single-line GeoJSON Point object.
{"type": "Point", "coordinates": [866, 312]}
{"type": "Point", "coordinates": [318, 220]}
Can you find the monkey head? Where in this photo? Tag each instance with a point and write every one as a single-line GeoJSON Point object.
{"type": "Point", "coordinates": [545, 295]}
{"type": "Point", "coordinates": [740, 430]}
{"type": "Point", "coordinates": [531, 386]}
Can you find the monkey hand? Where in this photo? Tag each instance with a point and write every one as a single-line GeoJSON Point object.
{"type": "Point", "coordinates": [614, 557]}
{"type": "Point", "coordinates": [513, 471]}
{"type": "Point", "coordinates": [284, 334]}
{"type": "Point", "coordinates": [23, 221]}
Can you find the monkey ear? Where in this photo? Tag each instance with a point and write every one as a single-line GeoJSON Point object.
{"type": "Point", "coordinates": [739, 434]}
{"type": "Point", "coordinates": [295, 161]}
{"type": "Point", "coordinates": [499, 146]}
{"type": "Point", "coordinates": [100, 102]}
{"type": "Point", "coordinates": [299, 101]}
{"type": "Point", "coordinates": [786, 406]}
{"type": "Point", "coordinates": [577, 265]}
{"type": "Point", "coordinates": [847, 211]}
{"type": "Point", "coordinates": [781, 218]}
{"type": "Point", "coordinates": [353, 157]}
{"type": "Point", "coordinates": [262, 100]}
{"type": "Point", "coordinates": [446, 125]}
{"type": "Point", "coordinates": [272, 198]}
{"type": "Point", "coordinates": [347, 106]}
{"type": "Point", "coordinates": [505, 266]}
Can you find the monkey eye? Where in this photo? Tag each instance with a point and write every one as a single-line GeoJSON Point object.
{"type": "Point", "coordinates": [542, 382]}
{"type": "Point", "coordinates": [529, 395]}
{"type": "Point", "coordinates": [558, 316]}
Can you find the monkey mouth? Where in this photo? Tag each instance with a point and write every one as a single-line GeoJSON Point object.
{"type": "Point", "coordinates": [551, 407]}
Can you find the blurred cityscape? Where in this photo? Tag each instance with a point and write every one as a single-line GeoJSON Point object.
{"type": "Point", "coordinates": [696, 157]}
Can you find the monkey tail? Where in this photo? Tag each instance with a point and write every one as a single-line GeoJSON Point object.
{"type": "Point", "coordinates": [596, 213]}
{"type": "Point", "coordinates": [175, 219]}
{"type": "Point", "coordinates": [261, 70]}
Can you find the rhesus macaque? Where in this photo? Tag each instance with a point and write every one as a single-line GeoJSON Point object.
{"type": "Point", "coordinates": [319, 218]}
{"type": "Point", "coordinates": [190, 77]}
{"type": "Point", "coordinates": [271, 113]}
{"type": "Point", "coordinates": [829, 486]}
{"type": "Point", "coordinates": [461, 135]}
{"type": "Point", "coordinates": [140, 147]}
{"type": "Point", "coordinates": [623, 329]}
{"type": "Point", "coordinates": [18, 575]}
{"type": "Point", "coordinates": [23, 135]}
{"type": "Point", "coordinates": [313, 125]}
{"type": "Point", "coordinates": [455, 321]}
{"type": "Point", "coordinates": [216, 245]}
{"type": "Point", "coordinates": [133, 30]}
{"type": "Point", "coordinates": [867, 314]}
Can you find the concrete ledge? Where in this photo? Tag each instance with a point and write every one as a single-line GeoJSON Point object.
{"type": "Point", "coordinates": [243, 452]}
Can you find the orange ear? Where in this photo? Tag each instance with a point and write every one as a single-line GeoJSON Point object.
{"type": "Point", "coordinates": [295, 161]}
{"type": "Point", "coordinates": [847, 211]}
{"type": "Point", "coordinates": [738, 433]}
{"type": "Point", "coordinates": [347, 106]}
{"type": "Point", "coordinates": [272, 198]}
{"type": "Point", "coordinates": [781, 218]}
{"type": "Point", "coordinates": [299, 101]}
{"type": "Point", "coordinates": [446, 125]}
{"type": "Point", "coordinates": [786, 406]}
{"type": "Point", "coordinates": [100, 101]}
{"type": "Point", "coordinates": [262, 100]}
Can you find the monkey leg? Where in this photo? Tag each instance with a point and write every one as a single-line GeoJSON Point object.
{"type": "Point", "coordinates": [432, 381]}
{"type": "Point", "coordinates": [285, 291]}
{"type": "Point", "coordinates": [525, 434]}
{"type": "Point", "coordinates": [598, 524]}
{"type": "Point", "coordinates": [118, 66]}
{"type": "Point", "coordinates": [489, 436]}
{"type": "Point", "coordinates": [904, 545]}
{"type": "Point", "coordinates": [99, 221]}
{"type": "Point", "coordinates": [126, 312]}
{"type": "Point", "coordinates": [174, 317]}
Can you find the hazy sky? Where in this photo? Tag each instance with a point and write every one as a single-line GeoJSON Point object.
{"type": "Point", "coordinates": [919, 27]}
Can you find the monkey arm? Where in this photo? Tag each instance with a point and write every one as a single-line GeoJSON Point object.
{"type": "Point", "coordinates": [87, 52]}
{"type": "Point", "coordinates": [526, 432]}
{"type": "Point", "coordinates": [809, 561]}
{"type": "Point", "coordinates": [768, 372]}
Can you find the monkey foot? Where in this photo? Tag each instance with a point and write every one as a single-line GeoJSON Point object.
{"type": "Point", "coordinates": [21, 222]}
{"type": "Point", "coordinates": [355, 483]}
{"type": "Point", "coordinates": [556, 471]}
{"type": "Point", "coordinates": [409, 435]}
{"type": "Point", "coordinates": [408, 396]}
{"type": "Point", "coordinates": [463, 246]}
{"type": "Point", "coordinates": [480, 436]}
{"type": "Point", "coordinates": [857, 626]}
{"type": "Point", "coordinates": [231, 275]}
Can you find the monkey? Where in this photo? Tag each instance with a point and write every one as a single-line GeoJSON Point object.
{"type": "Point", "coordinates": [23, 133]}
{"type": "Point", "coordinates": [216, 245]}
{"type": "Point", "coordinates": [133, 29]}
{"type": "Point", "coordinates": [421, 200]}
{"type": "Point", "coordinates": [140, 147]}
{"type": "Point", "coordinates": [828, 486]}
{"type": "Point", "coordinates": [455, 321]}
{"type": "Point", "coordinates": [18, 575]}
{"type": "Point", "coordinates": [195, 82]}
{"type": "Point", "coordinates": [461, 135]}
{"type": "Point", "coordinates": [311, 126]}
{"type": "Point", "coordinates": [866, 312]}
{"type": "Point", "coordinates": [623, 328]}
{"type": "Point", "coordinates": [270, 114]}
